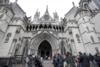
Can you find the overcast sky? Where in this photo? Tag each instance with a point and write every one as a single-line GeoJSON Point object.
{"type": "Point", "coordinates": [61, 6]}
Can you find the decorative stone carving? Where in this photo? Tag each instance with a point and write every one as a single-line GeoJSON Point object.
{"type": "Point", "coordinates": [18, 30]}
{"type": "Point", "coordinates": [7, 38]}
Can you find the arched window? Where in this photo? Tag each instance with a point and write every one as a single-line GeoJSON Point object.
{"type": "Point", "coordinates": [92, 39]}
{"type": "Point", "coordinates": [99, 38]}
{"type": "Point", "coordinates": [70, 32]}
{"type": "Point", "coordinates": [72, 40]}
{"type": "Point", "coordinates": [0, 7]}
{"type": "Point", "coordinates": [97, 50]}
{"type": "Point", "coordinates": [1, 16]}
{"type": "Point", "coordinates": [94, 29]}
{"type": "Point", "coordinates": [87, 28]}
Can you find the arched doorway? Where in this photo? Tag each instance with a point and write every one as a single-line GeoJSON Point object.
{"type": "Point", "coordinates": [45, 50]}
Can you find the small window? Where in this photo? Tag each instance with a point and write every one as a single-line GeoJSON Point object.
{"type": "Point", "coordinates": [83, 19]}
{"type": "Point", "coordinates": [5, 10]}
{"type": "Point", "coordinates": [78, 38]}
{"type": "Point", "coordinates": [92, 39]}
{"type": "Point", "coordinates": [72, 40]}
{"type": "Point", "coordinates": [0, 7]}
{"type": "Point", "coordinates": [19, 38]}
{"type": "Point", "coordinates": [1, 1]}
{"type": "Point", "coordinates": [70, 32]}
{"type": "Point", "coordinates": [97, 50]}
{"type": "Point", "coordinates": [1, 16]}
{"type": "Point", "coordinates": [85, 5]}
{"type": "Point", "coordinates": [99, 38]}
{"type": "Point", "coordinates": [87, 28]}
{"type": "Point", "coordinates": [94, 29]}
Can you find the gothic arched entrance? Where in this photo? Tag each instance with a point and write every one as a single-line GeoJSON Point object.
{"type": "Point", "coordinates": [45, 50]}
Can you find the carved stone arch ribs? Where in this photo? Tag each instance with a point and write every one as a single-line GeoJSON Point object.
{"type": "Point", "coordinates": [45, 49]}
{"type": "Point", "coordinates": [45, 32]}
{"type": "Point", "coordinates": [42, 37]}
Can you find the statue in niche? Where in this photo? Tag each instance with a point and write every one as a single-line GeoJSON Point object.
{"type": "Point", "coordinates": [64, 20]}
{"type": "Point", "coordinates": [18, 30]}
{"type": "Point", "coordinates": [78, 38]}
{"type": "Point", "coordinates": [7, 38]}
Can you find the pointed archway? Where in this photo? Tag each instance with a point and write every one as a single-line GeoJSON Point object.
{"type": "Point", "coordinates": [45, 50]}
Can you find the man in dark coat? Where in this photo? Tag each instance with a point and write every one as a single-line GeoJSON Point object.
{"type": "Point", "coordinates": [60, 61]}
{"type": "Point", "coordinates": [97, 59]}
{"type": "Point", "coordinates": [55, 61]}
{"type": "Point", "coordinates": [84, 60]}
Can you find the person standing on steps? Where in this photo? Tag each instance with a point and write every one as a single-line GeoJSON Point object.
{"type": "Point", "coordinates": [97, 59]}
{"type": "Point", "coordinates": [55, 60]}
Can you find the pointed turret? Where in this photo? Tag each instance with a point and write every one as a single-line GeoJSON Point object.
{"type": "Point", "coordinates": [84, 4]}
{"type": "Point", "coordinates": [37, 15]}
{"type": "Point", "coordinates": [73, 3]}
{"type": "Point", "coordinates": [47, 9]}
{"type": "Point", "coordinates": [56, 17]}
{"type": "Point", "coordinates": [47, 12]}
{"type": "Point", "coordinates": [46, 17]}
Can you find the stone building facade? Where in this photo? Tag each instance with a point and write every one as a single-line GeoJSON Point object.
{"type": "Point", "coordinates": [77, 32]}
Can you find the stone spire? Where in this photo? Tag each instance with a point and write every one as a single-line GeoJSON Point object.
{"type": "Point", "coordinates": [73, 3]}
{"type": "Point", "coordinates": [47, 9]}
{"type": "Point", "coordinates": [37, 15]}
{"type": "Point", "coordinates": [46, 17]}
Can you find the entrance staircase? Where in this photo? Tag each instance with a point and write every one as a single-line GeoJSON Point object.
{"type": "Point", "coordinates": [47, 63]}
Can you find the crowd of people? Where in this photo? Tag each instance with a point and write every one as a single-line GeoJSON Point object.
{"type": "Point", "coordinates": [66, 60]}
{"type": "Point", "coordinates": [33, 61]}
{"type": "Point", "coordinates": [81, 60]}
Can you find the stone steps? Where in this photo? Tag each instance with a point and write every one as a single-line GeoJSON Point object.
{"type": "Point", "coordinates": [47, 64]}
